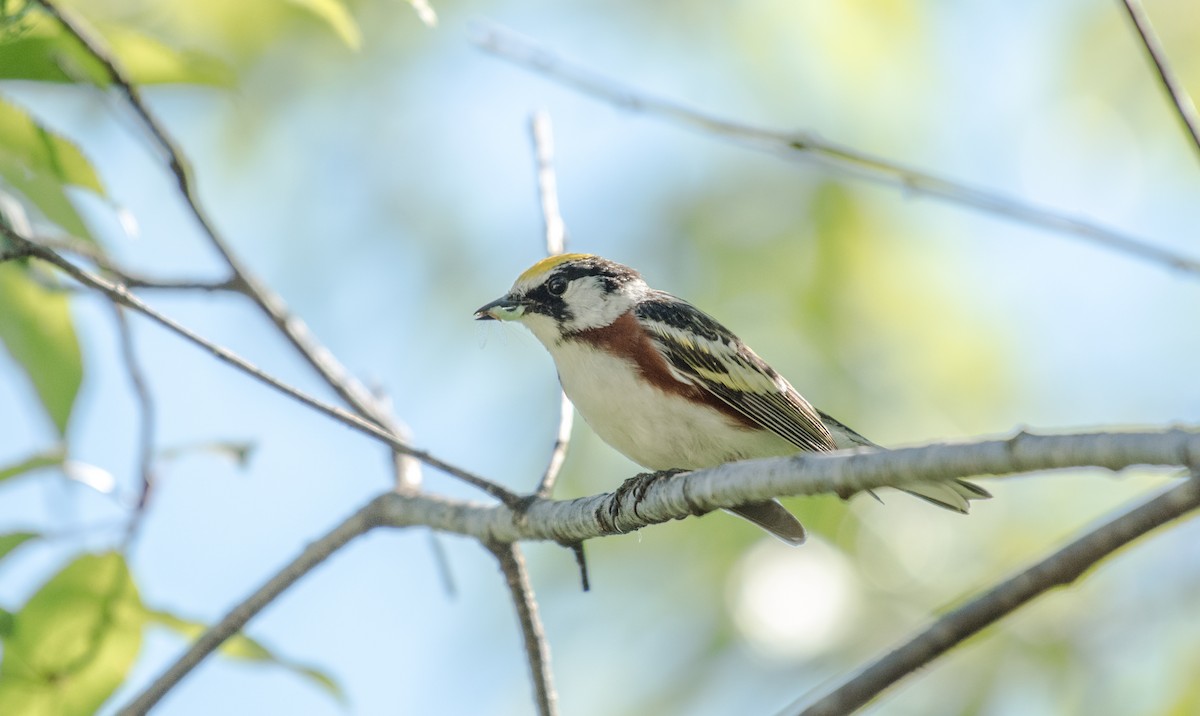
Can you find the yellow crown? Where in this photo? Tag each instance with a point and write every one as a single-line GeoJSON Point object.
{"type": "Point", "coordinates": [547, 264]}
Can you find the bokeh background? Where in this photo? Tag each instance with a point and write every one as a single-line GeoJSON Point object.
{"type": "Point", "coordinates": [377, 172]}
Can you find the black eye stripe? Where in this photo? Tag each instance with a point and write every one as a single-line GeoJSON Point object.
{"type": "Point", "coordinates": [547, 299]}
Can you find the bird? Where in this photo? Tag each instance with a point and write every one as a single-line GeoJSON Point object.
{"type": "Point", "coordinates": [671, 388]}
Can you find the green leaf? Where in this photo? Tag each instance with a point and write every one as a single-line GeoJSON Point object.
{"type": "Point", "coordinates": [48, 194]}
{"type": "Point", "coordinates": [35, 326]}
{"type": "Point", "coordinates": [12, 540]}
{"type": "Point", "coordinates": [46, 53]}
{"type": "Point", "coordinates": [148, 61]}
{"type": "Point", "coordinates": [243, 648]}
{"type": "Point", "coordinates": [339, 19]}
{"type": "Point", "coordinates": [49, 458]}
{"type": "Point", "coordinates": [28, 144]}
{"type": "Point", "coordinates": [73, 642]}
{"type": "Point", "coordinates": [39, 163]}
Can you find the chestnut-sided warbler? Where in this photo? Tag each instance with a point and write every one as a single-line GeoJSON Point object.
{"type": "Point", "coordinates": [668, 386]}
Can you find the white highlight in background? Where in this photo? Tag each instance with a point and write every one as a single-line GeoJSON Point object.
{"type": "Point", "coordinates": [794, 602]}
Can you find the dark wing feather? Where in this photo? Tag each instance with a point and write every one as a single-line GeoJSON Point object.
{"type": "Point", "coordinates": [706, 354]}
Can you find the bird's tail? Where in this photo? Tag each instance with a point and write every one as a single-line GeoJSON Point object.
{"type": "Point", "coordinates": [953, 495]}
{"type": "Point", "coordinates": [774, 518]}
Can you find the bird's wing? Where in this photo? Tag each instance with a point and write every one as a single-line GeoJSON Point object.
{"type": "Point", "coordinates": [705, 354]}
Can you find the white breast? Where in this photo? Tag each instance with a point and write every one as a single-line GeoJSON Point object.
{"type": "Point", "coordinates": [653, 428]}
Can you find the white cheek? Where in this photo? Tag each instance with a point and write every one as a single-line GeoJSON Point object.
{"type": "Point", "coordinates": [544, 328]}
{"type": "Point", "coordinates": [592, 307]}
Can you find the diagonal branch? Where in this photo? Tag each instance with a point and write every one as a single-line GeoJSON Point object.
{"type": "Point", "coordinates": [121, 295]}
{"type": "Point", "coordinates": [348, 388]}
{"type": "Point", "coordinates": [1059, 569]}
{"type": "Point", "coordinates": [802, 146]}
{"type": "Point", "coordinates": [1179, 96]}
{"type": "Point", "coordinates": [537, 651]}
{"type": "Point", "coordinates": [316, 553]}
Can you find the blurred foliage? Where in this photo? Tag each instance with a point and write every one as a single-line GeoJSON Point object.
{"type": "Point", "coordinates": [242, 648]}
{"type": "Point", "coordinates": [51, 458]}
{"type": "Point", "coordinates": [38, 49]}
{"type": "Point", "coordinates": [73, 642]}
{"type": "Point", "coordinates": [40, 164]}
{"type": "Point", "coordinates": [35, 327]}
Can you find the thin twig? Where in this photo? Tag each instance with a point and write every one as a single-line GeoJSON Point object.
{"type": "Point", "coordinates": [808, 147]}
{"type": "Point", "coordinates": [442, 560]}
{"type": "Point", "coordinates": [128, 277]}
{"type": "Point", "coordinates": [558, 453]}
{"type": "Point", "coordinates": [135, 281]}
{"type": "Point", "coordinates": [348, 388]}
{"type": "Point", "coordinates": [1059, 569]}
{"type": "Point", "coordinates": [120, 294]}
{"type": "Point", "coordinates": [542, 134]}
{"type": "Point", "coordinates": [537, 651]}
{"type": "Point", "coordinates": [229, 625]}
{"type": "Point", "coordinates": [147, 413]}
{"type": "Point", "coordinates": [581, 561]}
{"type": "Point", "coordinates": [1182, 102]}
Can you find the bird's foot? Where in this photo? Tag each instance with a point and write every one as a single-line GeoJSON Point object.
{"type": "Point", "coordinates": [638, 486]}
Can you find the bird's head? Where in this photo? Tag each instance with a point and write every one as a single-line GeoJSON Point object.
{"type": "Point", "coordinates": [567, 293]}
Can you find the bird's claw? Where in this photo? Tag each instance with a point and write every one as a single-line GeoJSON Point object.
{"type": "Point", "coordinates": [638, 486]}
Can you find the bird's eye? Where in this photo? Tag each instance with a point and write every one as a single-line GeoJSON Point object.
{"type": "Point", "coordinates": [557, 286]}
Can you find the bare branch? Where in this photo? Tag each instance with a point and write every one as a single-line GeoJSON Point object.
{"type": "Point", "coordinates": [131, 279]}
{"type": "Point", "coordinates": [135, 281]}
{"type": "Point", "coordinates": [845, 472]}
{"type": "Point", "coordinates": [146, 431]}
{"type": "Point", "coordinates": [537, 651]}
{"type": "Point", "coordinates": [808, 147]}
{"type": "Point", "coordinates": [542, 133]}
{"type": "Point", "coordinates": [348, 388]}
{"type": "Point", "coordinates": [1059, 569]}
{"type": "Point", "coordinates": [121, 295]}
{"type": "Point", "coordinates": [316, 553]}
{"type": "Point", "coordinates": [1179, 96]}
{"type": "Point", "coordinates": [558, 453]}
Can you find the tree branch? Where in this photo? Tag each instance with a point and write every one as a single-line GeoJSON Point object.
{"type": "Point", "coordinates": [345, 385]}
{"type": "Point", "coordinates": [146, 429]}
{"type": "Point", "coordinates": [844, 473]}
{"type": "Point", "coordinates": [121, 295]}
{"type": "Point", "coordinates": [542, 134]}
{"type": "Point", "coordinates": [537, 651]}
{"type": "Point", "coordinates": [1059, 569]}
{"type": "Point", "coordinates": [1175, 89]}
{"type": "Point", "coordinates": [808, 147]}
{"type": "Point", "coordinates": [358, 523]}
